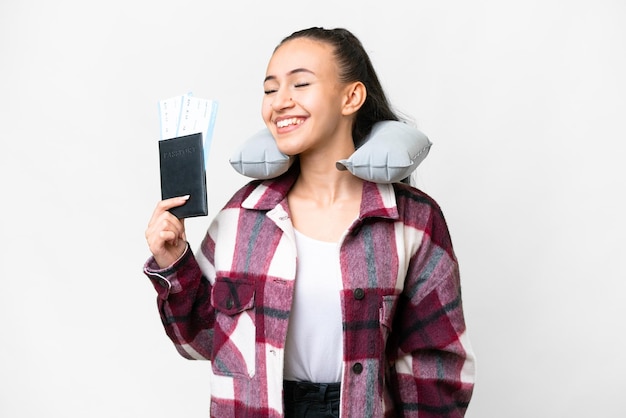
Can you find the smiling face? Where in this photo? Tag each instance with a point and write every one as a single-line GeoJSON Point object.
{"type": "Point", "coordinates": [305, 106]}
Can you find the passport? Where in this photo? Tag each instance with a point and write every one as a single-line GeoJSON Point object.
{"type": "Point", "coordinates": [183, 173]}
{"type": "Point", "coordinates": [186, 130]}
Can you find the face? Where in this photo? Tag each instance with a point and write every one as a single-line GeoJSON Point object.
{"type": "Point", "coordinates": [304, 99]}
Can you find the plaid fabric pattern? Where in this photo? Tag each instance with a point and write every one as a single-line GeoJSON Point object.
{"type": "Point", "coordinates": [406, 351]}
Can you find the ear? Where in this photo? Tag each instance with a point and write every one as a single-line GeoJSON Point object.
{"type": "Point", "coordinates": [355, 94]}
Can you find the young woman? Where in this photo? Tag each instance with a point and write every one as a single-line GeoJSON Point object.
{"type": "Point", "coordinates": [318, 294]}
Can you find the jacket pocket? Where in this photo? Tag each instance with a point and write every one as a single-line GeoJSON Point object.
{"type": "Point", "coordinates": [234, 339]}
{"type": "Point", "coordinates": [387, 312]}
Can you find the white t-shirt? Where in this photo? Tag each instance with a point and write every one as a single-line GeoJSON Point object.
{"type": "Point", "coordinates": [314, 346]}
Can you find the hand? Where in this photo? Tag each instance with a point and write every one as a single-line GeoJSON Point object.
{"type": "Point", "coordinates": [166, 233]}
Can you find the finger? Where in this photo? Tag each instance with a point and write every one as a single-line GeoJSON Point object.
{"type": "Point", "coordinates": [173, 202]}
{"type": "Point", "coordinates": [173, 224]}
{"type": "Point", "coordinates": [170, 237]}
{"type": "Point", "coordinates": [166, 228]}
{"type": "Point", "coordinates": [167, 204]}
{"type": "Point", "coordinates": [183, 236]}
{"type": "Point", "coordinates": [162, 239]}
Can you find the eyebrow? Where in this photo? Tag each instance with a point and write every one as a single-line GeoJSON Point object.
{"type": "Point", "coordinates": [294, 71]}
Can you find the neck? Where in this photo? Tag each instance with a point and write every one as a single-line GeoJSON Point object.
{"type": "Point", "coordinates": [324, 201]}
{"type": "Point", "coordinates": [326, 185]}
{"type": "Point", "coordinates": [319, 179]}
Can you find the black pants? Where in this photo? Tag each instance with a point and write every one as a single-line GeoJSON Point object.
{"type": "Point", "coordinates": [311, 400]}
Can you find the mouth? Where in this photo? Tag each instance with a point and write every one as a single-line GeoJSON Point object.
{"type": "Point", "coordinates": [287, 122]}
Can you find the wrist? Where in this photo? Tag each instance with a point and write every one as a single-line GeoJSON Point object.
{"type": "Point", "coordinates": [172, 258]}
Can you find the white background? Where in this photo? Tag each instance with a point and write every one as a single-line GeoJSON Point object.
{"type": "Point", "coordinates": [524, 102]}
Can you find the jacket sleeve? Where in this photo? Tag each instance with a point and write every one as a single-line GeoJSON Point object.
{"type": "Point", "coordinates": [184, 303]}
{"type": "Point", "coordinates": [433, 372]}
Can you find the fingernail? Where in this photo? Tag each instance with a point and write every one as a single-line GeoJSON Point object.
{"type": "Point", "coordinates": [186, 197]}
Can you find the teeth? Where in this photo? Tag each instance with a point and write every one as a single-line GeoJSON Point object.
{"type": "Point", "coordinates": [287, 122]}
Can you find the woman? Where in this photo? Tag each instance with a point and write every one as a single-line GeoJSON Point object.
{"type": "Point", "coordinates": [317, 293]}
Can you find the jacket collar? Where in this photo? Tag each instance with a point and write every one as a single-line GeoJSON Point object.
{"type": "Point", "coordinates": [379, 200]}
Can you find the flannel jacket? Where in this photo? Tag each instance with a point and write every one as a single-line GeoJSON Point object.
{"type": "Point", "coordinates": [406, 350]}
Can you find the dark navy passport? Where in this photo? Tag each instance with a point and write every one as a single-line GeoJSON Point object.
{"type": "Point", "coordinates": [183, 173]}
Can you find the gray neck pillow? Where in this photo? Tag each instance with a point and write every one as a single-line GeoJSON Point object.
{"type": "Point", "coordinates": [390, 153]}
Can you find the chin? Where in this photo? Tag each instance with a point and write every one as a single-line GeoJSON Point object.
{"type": "Point", "coordinates": [288, 146]}
{"type": "Point", "coordinates": [289, 151]}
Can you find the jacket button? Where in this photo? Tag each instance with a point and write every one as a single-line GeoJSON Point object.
{"type": "Point", "coordinates": [359, 293]}
{"type": "Point", "coordinates": [357, 368]}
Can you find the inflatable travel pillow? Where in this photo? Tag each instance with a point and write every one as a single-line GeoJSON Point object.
{"type": "Point", "coordinates": [390, 153]}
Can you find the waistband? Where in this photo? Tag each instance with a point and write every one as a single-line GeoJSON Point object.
{"type": "Point", "coordinates": [322, 392]}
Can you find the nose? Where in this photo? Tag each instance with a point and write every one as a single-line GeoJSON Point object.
{"type": "Point", "coordinates": [282, 99]}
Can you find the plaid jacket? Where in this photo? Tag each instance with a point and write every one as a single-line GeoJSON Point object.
{"type": "Point", "coordinates": [406, 351]}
